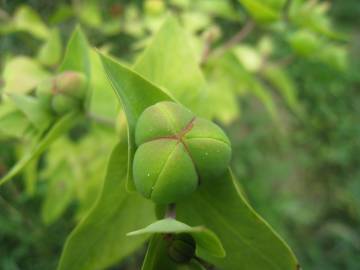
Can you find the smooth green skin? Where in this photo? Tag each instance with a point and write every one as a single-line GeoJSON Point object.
{"type": "Point", "coordinates": [163, 171]}
{"type": "Point", "coordinates": [44, 92]}
{"type": "Point", "coordinates": [62, 104]}
{"type": "Point", "coordinates": [176, 151]}
{"type": "Point", "coordinates": [71, 83]}
{"type": "Point", "coordinates": [182, 248]}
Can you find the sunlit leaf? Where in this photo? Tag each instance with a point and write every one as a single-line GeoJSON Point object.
{"type": "Point", "coordinates": [59, 128]}
{"type": "Point", "coordinates": [248, 240]}
{"type": "Point", "coordinates": [207, 243]}
{"type": "Point", "coordinates": [169, 61]}
{"type": "Point", "coordinates": [50, 52]}
{"type": "Point", "coordinates": [100, 239]}
{"type": "Point", "coordinates": [21, 74]}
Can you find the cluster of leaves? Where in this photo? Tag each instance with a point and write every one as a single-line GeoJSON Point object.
{"type": "Point", "coordinates": [230, 71]}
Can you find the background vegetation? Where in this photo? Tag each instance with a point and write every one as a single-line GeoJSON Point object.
{"type": "Point", "coordinates": [286, 90]}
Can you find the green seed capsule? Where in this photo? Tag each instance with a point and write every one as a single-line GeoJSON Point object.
{"type": "Point", "coordinates": [175, 151]}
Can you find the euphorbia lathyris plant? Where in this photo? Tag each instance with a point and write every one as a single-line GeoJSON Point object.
{"type": "Point", "coordinates": [194, 215]}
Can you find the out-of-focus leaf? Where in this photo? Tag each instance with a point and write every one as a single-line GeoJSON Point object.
{"type": "Point", "coordinates": [218, 8]}
{"type": "Point", "coordinates": [169, 62]}
{"type": "Point", "coordinates": [335, 56]}
{"type": "Point", "coordinates": [248, 57]}
{"type": "Point", "coordinates": [60, 127]}
{"type": "Point", "coordinates": [305, 43]}
{"type": "Point", "coordinates": [26, 19]}
{"type": "Point", "coordinates": [50, 52]}
{"type": "Point", "coordinates": [248, 240]}
{"type": "Point", "coordinates": [31, 176]}
{"type": "Point", "coordinates": [100, 239]}
{"type": "Point", "coordinates": [283, 83]}
{"type": "Point", "coordinates": [33, 109]}
{"type": "Point", "coordinates": [21, 74]}
{"type": "Point", "coordinates": [135, 94]}
{"type": "Point", "coordinates": [103, 99]}
{"type": "Point", "coordinates": [264, 11]}
{"type": "Point", "coordinates": [89, 13]}
{"type": "Point", "coordinates": [313, 15]}
{"type": "Point", "coordinates": [77, 56]}
{"type": "Point", "coordinates": [58, 195]}
{"type": "Point", "coordinates": [14, 124]}
{"type": "Point", "coordinates": [207, 243]}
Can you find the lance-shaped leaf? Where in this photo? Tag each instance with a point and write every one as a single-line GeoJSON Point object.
{"type": "Point", "coordinates": [264, 11]}
{"type": "Point", "coordinates": [33, 109]}
{"type": "Point", "coordinates": [77, 56]}
{"type": "Point", "coordinates": [135, 94]}
{"type": "Point", "coordinates": [250, 243]}
{"type": "Point", "coordinates": [100, 239]}
{"type": "Point", "coordinates": [59, 128]}
{"type": "Point", "coordinates": [207, 243]}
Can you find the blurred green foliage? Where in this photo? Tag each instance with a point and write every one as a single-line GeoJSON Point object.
{"type": "Point", "coordinates": [293, 122]}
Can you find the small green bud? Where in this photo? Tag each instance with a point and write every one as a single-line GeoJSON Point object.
{"type": "Point", "coordinates": [182, 248]}
{"type": "Point", "coordinates": [175, 151]}
{"type": "Point", "coordinates": [62, 104]}
{"type": "Point", "coordinates": [71, 83]}
{"type": "Point", "coordinates": [44, 92]}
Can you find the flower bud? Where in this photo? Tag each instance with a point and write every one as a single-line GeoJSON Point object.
{"type": "Point", "coordinates": [71, 83]}
{"type": "Point", "coordinates": [175, 151]}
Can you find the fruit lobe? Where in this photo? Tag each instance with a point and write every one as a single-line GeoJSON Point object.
{"type": "Point", "coordinates": [176, 150]}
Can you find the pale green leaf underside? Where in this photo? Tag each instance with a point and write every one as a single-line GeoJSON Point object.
{"type": "Point", "coordinates": [100, 239]}
{"type": "Point", "coordinates": [250, 243]}
{"type": "Point", "coordinates": [207, 243]}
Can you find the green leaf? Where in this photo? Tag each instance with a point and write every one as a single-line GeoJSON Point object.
{"type": "Point", "coordinates": [100, 239]}
{"type": "Point", "coordinates": [283, 83]}
{"type": "Point", "coordinates": [59, 128]}
{"type": "Point", "coordinates": [59, 194]}
{"type": "Point", "coordinates": [135, 94]}
{"type": "Point", "coordinates": [14, 124]}
{"type": "Point", "coordinates": [305, 43]}
{"type": "Point", "coordinates": [264, 11]}
{"type": "Point", "coordinates": [77, 55]}
{"type": "Point", "coordinates": [26, 19]}
{"type": "Point", "coordinates": [21, 74]}
{"type": "Point", "coordinates": [169, 61]}
{"type": "Point", "coordinates": [157, 258]}
{"type": "Point", "coordinates": [248, 240]}
{"type": "Point", "coordinates": [103, 99]}
{"type": "Point", "coordinates": [33, 109]}
{"type": "Point", "coordinates": [207, 243]}
{"type": "Point", "coordinates": [50, 52]}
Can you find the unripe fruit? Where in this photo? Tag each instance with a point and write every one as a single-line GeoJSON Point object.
{"type": "Point", "coordinates": [71, 83]}
{"type": "Point", "coordinates": [62, 104]}
{"type": "Point", "coordinates": [175, 151]}
{"type": "Point", "coordinates": [44, 92]}
{"type": "Point", "coordinates": [182, 248]}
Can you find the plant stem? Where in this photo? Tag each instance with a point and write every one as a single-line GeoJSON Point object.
{"type": "Point", "coordinates": [171, 211]}
{"type": "Point", "coordinates": [101, 119]}
{"type": "Point", "coordinates": [239, 36]}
